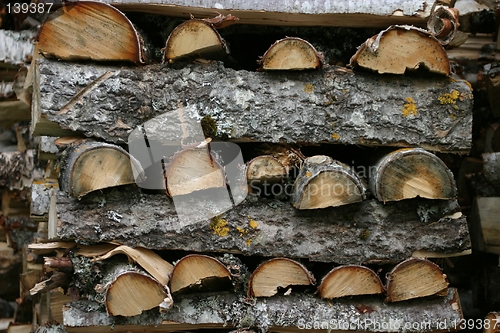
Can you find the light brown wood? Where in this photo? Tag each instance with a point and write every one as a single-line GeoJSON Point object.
{"type": "Point", "coordinates": [278, 273]}
{"type": "Point", "coordinates": [131, 292]}
{"type": "Point", "coordinates": [12, 112]}
{"type": "Point", "coordinates": [196, 271]}
{"type": "Point", "coordinates": [58, 279]}
{"type": "Point", "coordinates": [147, 259]}
{"type": "Point", "coordinates": [323, 182]}
{"type": "Point", "coordinates": [350, 280]}
{"type": "Point", "coordinates": [57, 300]}
{"type": "Point", "coordinates": [401, 48]}
{"type": "Point", "coordinates": [88, 251]}
{"type": "Point", "coordinates": [492, 320]}
{"type": "Point", "coordinates": [19, 328]}
{"type": "Point", "coordinates": [414, 278]}
{"type": "Point", "coordinates": [265, 169]}
{"type": "Point", "coordinates": [291, 53]}
{"type": "Point", "coordinates": [194, 39]}
{"type": "Point", "coordinates": [485, 226]}
{"type": "Point", "coordinates": [443, 25]}
{"type": "Point", "coordinates": [96, 24]}
{"type": "Point", "coordinates": [411, 172]}
{"type": "Point", "coordinates": [90, 166]}
{"type": "Point", "coordinates": [192, 170]}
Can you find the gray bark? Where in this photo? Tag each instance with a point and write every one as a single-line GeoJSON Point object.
{"type": "Point", "coordinates": [491, 168]}
{"type": "Point", "coordinates": [333, 105]}
{"type": "Point", "coordinates": [290, 313]}
{"type": "Point", "coordinates": [41, 192]}
{"type": "Point", "coordinates": [16, 169]}
{"type": "Point", "coordinates": [16, 47]}
{"type": "Point", "coordinates": [364, 232]}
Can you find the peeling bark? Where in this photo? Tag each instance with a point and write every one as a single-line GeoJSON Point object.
{"type": "Point", "coordinates": [334, 105]}
{"type": "Point", "coordinates": [364, 232]}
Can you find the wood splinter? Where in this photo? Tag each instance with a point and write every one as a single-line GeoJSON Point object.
{"type": "Point", "coordinates": [350, 280]}
{"type": "Point", "coordinates": [323, 182]}
{"type": "Point", "coordinates": [410, 172]}
{"type": "Point", "coordinates": [195, 39]}
{"type": "Point", "coordinates": [278, 273]}
{"type": "Point", "coordinates": [198, 272]}
{"type": "Point", "coordinates": [401, 48]}
{"type": "Point", "coordinates": [291, 53]}
{"type": "Point", "coordinates": [414, 278]}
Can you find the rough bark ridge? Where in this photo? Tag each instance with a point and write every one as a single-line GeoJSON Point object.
{"type": "Point", "coordinates": [363, 232]}
{"type": "Point", "coordinates": [334, 105]}
{"type": "Point", "coordinates": [293, 313]}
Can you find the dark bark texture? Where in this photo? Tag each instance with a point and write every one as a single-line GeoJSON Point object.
{"type": "Point", "coordinates": [333, 105]}
{"type": "Point", "coordinates": [286, 313]}
{"type": "Point", "coordinates": [364, 232]}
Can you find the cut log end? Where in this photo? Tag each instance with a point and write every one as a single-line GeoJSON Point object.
{"type": "Point", "coordinates": [95, 24]}
{"type": "Point", "coordinates": [278, 273]}
{"type": "Point", "coordinates": [350, 280]}
{"type": "Point", "coordinates": [493, 323]}
{"type": "Point", "coordinates": [401, 48]}
{"type": "Point", "coordinates": [291, 53]}
{"type": "Point", "coordinates": [193, 170]}
{"type": "Point", "coordinates": [131, 293]}
{"type": "Point", "coordinates": [323, 182]}
{"type": "Point", "coordinates": [199, 272]}
{"type": "Point", "coordinates": [414, 278]}
{"type": "Point", "coordinates": [410, 173]}
{"type": "Point", "coordinates": [265, 168]}
{"type": "Point", "coordinates": [194, 39]}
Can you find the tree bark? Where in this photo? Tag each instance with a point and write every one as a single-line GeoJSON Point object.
{"type": "Point", "coordinates": [491, 167]}
{"type": "Point", "coordinates": [334, 105]}
{"type": "Point", "coordinates": [363, 232]}
{"type": "Point", "coordinates": [292, 313]}
{"type": "Point", "coordinates": [16, 47]}
{"type": "Point", "coordinates": [16, 169]}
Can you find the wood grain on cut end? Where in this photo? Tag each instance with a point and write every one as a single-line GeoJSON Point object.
{"type": "Point", "coordinates": [265, 168]}
{"type": "Point", "coordinates": [323, 182]}
{"type": "Point", "coordinates": [401, 48]}
{"type": "Point", "coordinates": [93, 166]}
{"type": "Point", "coordinates": [414, 278]}
{"type": "Point", "coordinates": [492, 320]}
{"type": "Point", "coordinates": [131, 293]}
{"type": "Point", "coordinates": [194, 170]}
{"type": "Point", "coordinates": [195, 270]}
{"type": "Point", "coordinates": [278, 273]}
{"type": "Point", "coordinates": [350, 280]}
{"type": "Point", "coordinates": [90, 30]}
{"type": "Point", "coordinates": [291, 53]}
{"type": "Point", "coordinates": [409, 173]}
{"type": "Point", "coordinates": [194, 38]}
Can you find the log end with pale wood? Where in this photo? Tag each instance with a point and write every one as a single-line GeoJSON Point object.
{"type": "Point", "coordinates": [492, 323]}
{"type": "Point", "coordinates": [104, 34]}
{"type": "Point", "coordinates": [291, 53]}
{"type": "Point", "coordinates": [415, 278]}
{"type": "Point", "coordinates": [278, 273]}
{"type": "Point", "coordinates": [194, 39]}
{"type": "Point", "coordinates": [199, 273]}
{"type": "Point", "coordinates": [265, 169]}
{"type": "Point", "coordinates": [409, 173]}
{"type": "Point", "coordinates": [402, 48]}
{"type": "Point", "coordinates": [89, 166]}
{"type": "Point", "coordinates": [323, 182]}
{"type": "Point", "coordinates": [350, 280]}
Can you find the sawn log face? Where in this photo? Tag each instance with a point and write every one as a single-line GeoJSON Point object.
{"type": "Point", "coordinates": [364, 232]}
{"type": "Point", "coordinates": [334, 105]}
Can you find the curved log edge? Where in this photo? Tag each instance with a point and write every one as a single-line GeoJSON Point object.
{"type": "Point", "coordinates": [364, 232]}
{"type": "Point", "coordinates": [333, 105]}
{"type": "Point", "coordinates": [293, 313]}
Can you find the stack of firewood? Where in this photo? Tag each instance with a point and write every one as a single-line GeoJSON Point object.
{"type": "Point", "coordinates": [193, 194]}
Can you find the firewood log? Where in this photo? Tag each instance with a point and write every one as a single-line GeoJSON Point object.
{"type": "Point", "coordinates": [58, 279]}
{"type": "Point", "coordinates": [62, 264]}
{"type": "Point", "coordinates": [491, 167]}
{"type": "Point", "coordinates": [401, 48]}
{"type": "Point", "coordinates": [12, 112]}
{"type": "Point", "coordinates": [194, 169]}
{"type": "Point", "coordinates": [492, 321]}
{"type": "Point", "coordinates": [16, 47]}
{"type": "Point", "coordinates": [195, 39]}
{"type": "Point", "coordinates": [443, 25]}
{"type": "Point", "coordinates": [415, 278]}
{"type": "Point", "coordinates": [197, 272]}
{"type": "Point", "coordinates": [121, 282]}
{"type": "Point", "coordinates": [89, 166]}
{"type": "Point", "coordinates": [350, 280]}
{"type": "Point", "coordinates": [484, 228]}
{"type": "Point", "coordinates": [96, 24]}
{"type": "Point", "coordinates": [41, 192]}
{"type": "Point", "coordinates": [323, 182]}
{"type": "Point", "coordinates": [291, 53]}
{"type": "Point", "coordinates": [278, 273]}
{"type": "Point", "coordinates": [408, 173]}
{"type": "Point", "coordinates": [274, 165]}
{"type": "Point", "coordinates": [17, 169]}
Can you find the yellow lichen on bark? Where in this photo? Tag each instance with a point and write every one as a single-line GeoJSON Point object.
{"type": "Point", "coordinates": [219, 227]}
{"type": "Point", "coordinates": [409, 108]}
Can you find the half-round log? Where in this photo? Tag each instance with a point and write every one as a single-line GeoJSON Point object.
{"type": "Point", "coordinates": [278, 273]}
{"type": "Point", "coordinates": [350, 280]}
{"type": "Point", "coordinates": [103, 33]}
{"type": "Point", "coordinates": [409, 173]}
{"type": "Point", "coordinates": [291, 53]}
{"type": "Point", "coordinates": [414, 278]}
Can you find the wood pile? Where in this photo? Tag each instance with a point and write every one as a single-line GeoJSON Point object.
{"type": "Point", "coordinates": [168, 185]}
